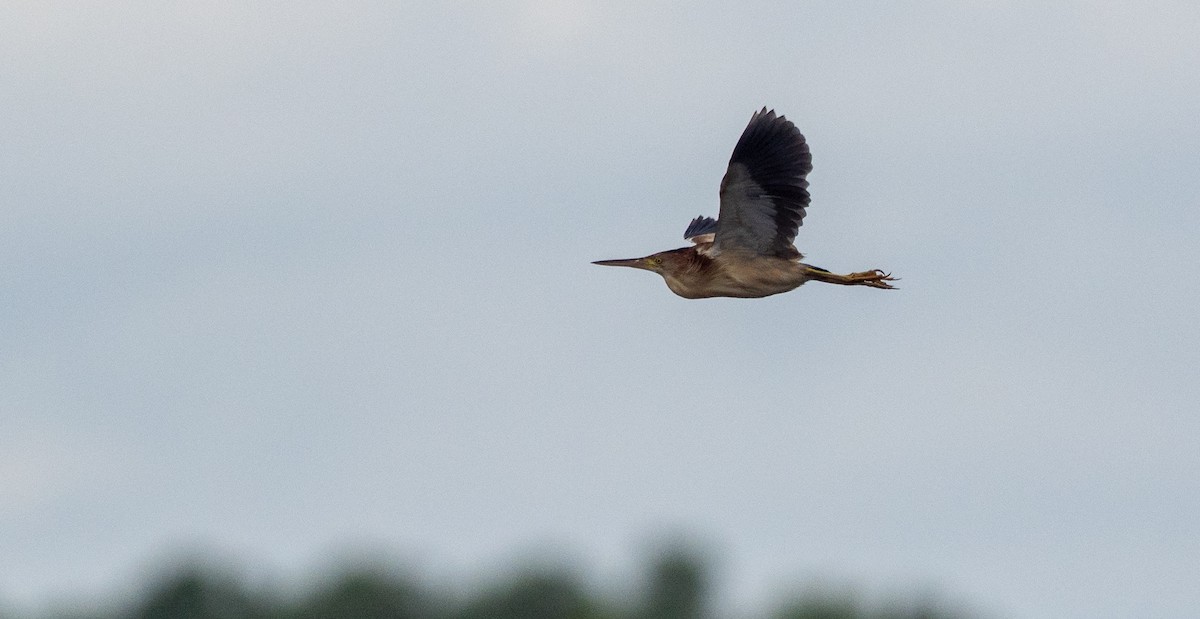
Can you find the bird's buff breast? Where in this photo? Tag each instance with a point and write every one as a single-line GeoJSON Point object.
{"type": "Point", "coordinates": [750, 280]}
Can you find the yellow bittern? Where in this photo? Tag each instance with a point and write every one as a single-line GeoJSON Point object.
{"type": "Point", "coordinates": [747, 251]}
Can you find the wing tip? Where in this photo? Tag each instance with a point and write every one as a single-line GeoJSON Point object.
{"type": "Point", "coordinates": [771, 134]}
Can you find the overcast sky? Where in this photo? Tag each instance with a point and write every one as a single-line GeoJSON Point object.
{"type": "Point", "coordinates": [281, 278]}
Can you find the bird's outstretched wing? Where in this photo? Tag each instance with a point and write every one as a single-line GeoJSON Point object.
{"type": "Point", "coordinates": [764, 192]}
{"type": "Point", "coordinates": [701, 230]}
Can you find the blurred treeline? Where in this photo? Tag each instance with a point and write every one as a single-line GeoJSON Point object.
{"type": "Point", "coordinates": [676, 585]}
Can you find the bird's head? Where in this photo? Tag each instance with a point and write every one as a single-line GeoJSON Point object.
{"type": "Point", "coordinates": [662, 262]}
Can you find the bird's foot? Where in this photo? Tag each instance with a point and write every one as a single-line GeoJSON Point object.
{"type": "Point", "coordinates": [874, 278]}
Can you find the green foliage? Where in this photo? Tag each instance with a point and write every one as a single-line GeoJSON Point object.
{"type": "Point", "coordinates": [676, 586]}
{"type": "Point", "coordinates": [822, 607]}
{"type": "Point", "coordinates": [535, 596]}
{"type": "Point", "coordinates": [832, 606]}
{"type": "Point", "coordinates": [369, 595]}
{"type": "Point", "coordinates": [196, 594]}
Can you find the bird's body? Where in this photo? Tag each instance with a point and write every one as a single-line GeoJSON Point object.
{"type": "Point", "coordinates": [747, 251]}
{"type": "Point", "coordinates": [694, 275]}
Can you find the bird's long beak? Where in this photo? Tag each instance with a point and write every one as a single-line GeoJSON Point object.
{"type": "Point", "coordinates": [637, 263]}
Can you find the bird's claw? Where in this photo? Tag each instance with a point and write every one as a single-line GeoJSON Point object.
{"type": "Point", "coordinates": [873, 278]}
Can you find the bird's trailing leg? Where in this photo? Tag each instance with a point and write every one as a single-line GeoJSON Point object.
{"type": "Point", "coordinates": [874, 279]}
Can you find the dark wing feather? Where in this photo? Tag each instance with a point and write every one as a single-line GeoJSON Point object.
{"type": "Point", "coordinates": [764, 192]}
{"type": "Point", "coordinates": [700, 225]}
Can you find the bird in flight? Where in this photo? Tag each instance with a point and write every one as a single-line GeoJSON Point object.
{"type": "Point", "coordinates": [747, 251]}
